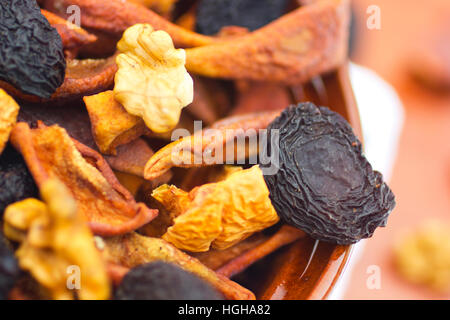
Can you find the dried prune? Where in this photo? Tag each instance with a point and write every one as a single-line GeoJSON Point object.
{"type": "Point", "coordinates": [163, 281]}
{"type": "Point", "coordinates": [212, 15]}
{"type": "Point", "coordinates": [9, 269]}
{"type": "Point", "coordinates": [16, 182]}
{"type": "Point", "coordinates": [31, 51]}
{"type": "Point", "coordinates": [324, 185]}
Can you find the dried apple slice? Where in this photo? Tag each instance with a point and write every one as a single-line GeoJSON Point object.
{"type": "Point", "coordinates": [49, 152]}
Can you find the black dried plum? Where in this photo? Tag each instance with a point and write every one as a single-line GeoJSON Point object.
{"type": "Point", "coordinates": [9, 269]}
{"type": "Point", "coordinates": [16, 182]}
{"type": "Point", "coordinates": [163, 281]}
{"type": "Point", "coordinates": [324, 185]}
{"type": "Point", "coordinates": [31, 51]}
{"type": "Point", "coordinates": [212, 15]}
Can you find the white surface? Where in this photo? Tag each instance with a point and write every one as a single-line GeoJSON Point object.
{"type": "Point", "coordinates": [381, 113]}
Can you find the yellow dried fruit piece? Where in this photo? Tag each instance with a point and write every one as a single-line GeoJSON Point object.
{"type": "Point", "coordinates": [56, 244]}
{"type": "Point", "coordinates": [152, 81]}
{"type": "Point", "coordinates": [174, 200]}
{"type": "Point", "coordinates": [9, 110]}
{"type": "Point", "coordinates": [423, 256]}
{"type": "Point", "coordinates": [111, 124]}
{"type": "Point", "coordinates": [220, 214]}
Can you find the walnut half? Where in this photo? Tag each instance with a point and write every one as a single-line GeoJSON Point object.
{"type": "Point", "coordinates": [152, 81]}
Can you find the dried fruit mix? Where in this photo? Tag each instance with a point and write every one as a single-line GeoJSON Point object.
{"type": "Point", "coordinates": [31, 51]}
{"type": "Point", "coordinates": [96, 168]}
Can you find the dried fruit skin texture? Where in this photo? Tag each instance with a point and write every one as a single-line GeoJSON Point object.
{"type": "Point", "coordinates": [36, 65]}
{"type": "Point", "coordinates": [152, 82]}
{"type": "Point", "coordinates": [220, 214]}
{"type": "Point", "coordinates": [423, 257]}
{"type": "Point", "coordinates": [324, 184]}
{"type": "Point", "coordinates": [171, 283]}
{"type": "Point", "coordinates": [212, 15]}
{"type": "Point", "coordinates": [50, 153]}
{"type": "Point", "coordinates": [9, 110]}
{"type": "Point", "coordinates": [52, 235]}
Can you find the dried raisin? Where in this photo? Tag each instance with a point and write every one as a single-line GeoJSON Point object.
{"type": "Point", "coordinates": [31, 51]}
{"type": "Point", "coordinates": [324, 185]}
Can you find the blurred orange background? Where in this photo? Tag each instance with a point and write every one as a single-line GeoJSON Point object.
{"type": "Point", "coordinates": [421, 176]}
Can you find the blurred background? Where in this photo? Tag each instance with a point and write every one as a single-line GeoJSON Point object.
{"type": "Point", "coordinates": [413, 38]}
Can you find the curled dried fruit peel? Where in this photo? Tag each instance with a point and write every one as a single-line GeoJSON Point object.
{"type": "Point", "coordinates": [52, 234]}
{"type": "Point", "coordinates": [9, 110]}
{"type": "Point", "coordinates": [115, 16]}
{"type": "Point", "coordinates": [219, 214]}
{"type": "Point", "coordinates": [50, 153]}
{"type": "Point", "coordinates": [183, 152]}
{"type": "Point", "coordinates": [132, 250]}
{"type": "Point", "coordinates": [151, 81]}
